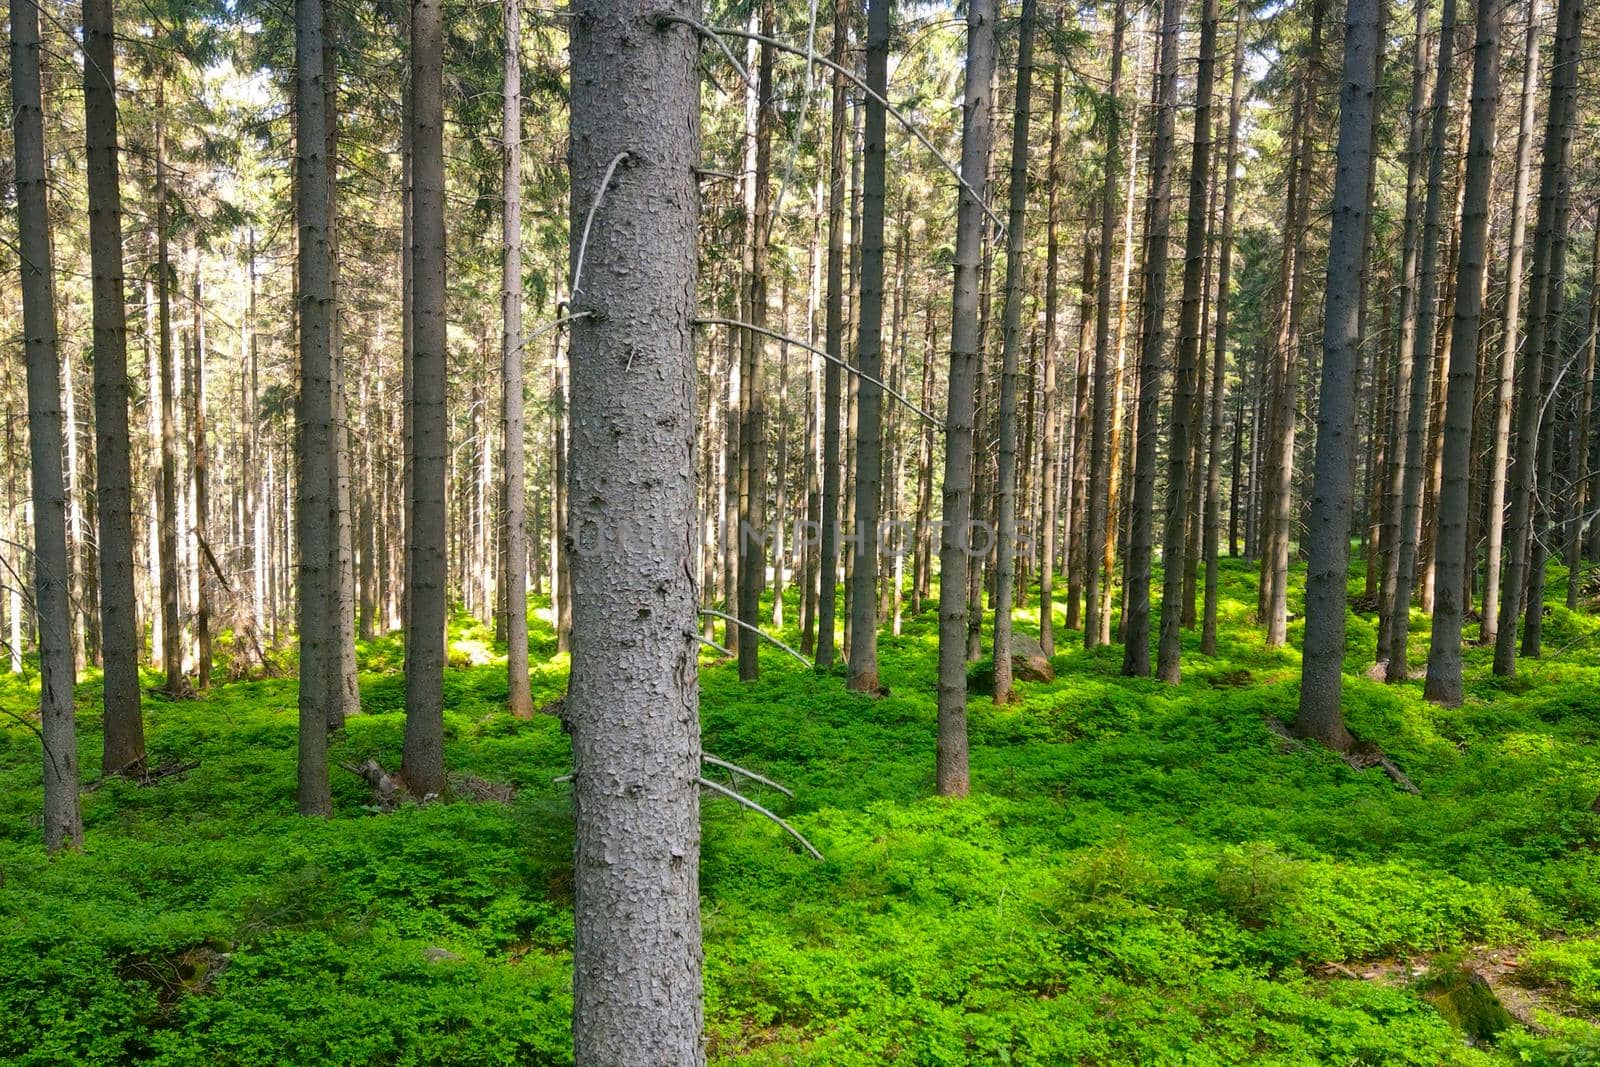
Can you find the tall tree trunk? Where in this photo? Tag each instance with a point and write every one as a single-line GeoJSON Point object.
{"type": "Point", "coordinates": [202, 487]}
{"type": "Point", "coordinates": [1420, 356]}
{"type": "Point", "coordinates": [1185, 388]}
{"type": "Point", "coordinates": [167, 509]}
{"type": "Point", "coordinates": [519, 697]}
{"type": "Point", "coordinates": [314, 505]}
{"type": "Point", "coordinates": [832, 398]}
{"type": "Point", "coordinates": [1320, 716]}
{"type": "Point", "coordinates": [1549, 249]}
{"type": "Point", "coordinates": [1578, 457]}
{"type": "Point", "coordinates": [1100, 445]}
{"type": "Point", "coordinates": [1443, 683]}
{"type": "Point", "coordinates": [955, 549]}
{"type": "Point", "coordinates": [123, 745]}
{"type": "Point", "coordinates": [422, 759]}
{"type": "Point", "coordinates": [1011, 342]}
{"type": "Point", "coordinates": [63, 826]}
{"type": "Point", "coordinates": [633, 704]}
{"type": "Point", "coordinates": [863, 659]}
{"type": "Point", "coordinates": [1152, 346]}
{"type": "Point", "coordinates": [1050, 461]}
{"type": "Point", "coordinates": [1208, 624]}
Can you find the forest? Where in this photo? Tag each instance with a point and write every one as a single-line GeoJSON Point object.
{"type": "Point", "coordinates": [642, 532]}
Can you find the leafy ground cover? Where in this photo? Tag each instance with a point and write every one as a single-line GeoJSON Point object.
{"type": "Point", "coordinates": [1142, 875]}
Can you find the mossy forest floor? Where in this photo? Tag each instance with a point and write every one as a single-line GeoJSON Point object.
{"type": "Point", "coordinates": [1141, 875]}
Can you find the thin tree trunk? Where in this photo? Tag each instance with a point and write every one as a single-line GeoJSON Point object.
{"type": "Point", "coordinates": [1095, 544]}
{"type": "Point", "coordinates": [1185, 389]}
{"type": "Point", "coordinates": [171, 628]}
{"type": "Point", "coordinates": [832, 398]}
{"type": "Point", "coordinates": [519, 698]}
{"type": "Point", "coordinates": [633, 704]}
{"type": "Point", "coordinates": [955, 548]}
{"type": "Point", "coordinates": [1549, 247]}
{"type": "Point", "coordinates": [1011, 342]}
{"type": "Point", "coordinates": [1577, 512]}
{"type": "Point", "coordinates": [1443, 683]}
{"type": "Point", "coordinates": [123, 745]}
{"type": "Point", "coordinates": [1049, 455]}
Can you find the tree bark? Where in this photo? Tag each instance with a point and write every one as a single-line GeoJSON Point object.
{"type": "Point", "coordinates": [1011, 343]}
{"type": "Point", "coordinates": [519, 697]}
{"type": "Point", "coordinates": [832, 395]}
{"type": "Point", "coordinates": [1548, 279]}
{"type": "Point", "coordinates": [1152, 345]}
{"type": "Point", "coordinates": [63, 826]}
{"type": "Point", "coordinates": [123, 745]}
{"type": "Point", "coordinates": [955, 547]}
{"type": "Point", "coordinates": [422, 758]}
{"type": "Point", "coordinates": [863, 659]}
{"type": "Point", "coordinates": [1443, 683]}
{"type": "Point", "coordinates": [1049, 454]}
{"type": "Point", "coordinates": [1185, 387]}
{"type": "Point", "coordinates": [633, 703]}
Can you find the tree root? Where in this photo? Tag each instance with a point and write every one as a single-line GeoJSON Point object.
{"type": "Point", "coordinates": [1360, 756]}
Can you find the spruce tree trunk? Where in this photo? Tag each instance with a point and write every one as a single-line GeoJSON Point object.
{"type": "Point", "coordinates": [1320, 716]}
{"type": "Point", "coordinates": [519, 698]}
{"type": "Point", "coordinates": [314, 505]}
{"type": "Point", "coordinates": [422, 758]}
{"type": "Point", "coordinates": [863, 658]}
{"type": "Point", "coordinates": [1549, 249]}
{"type": "Point", "coordinates": [956, 548]}
{"type": "Point", "coordinates": [1577, 524]}
{"type": "Point", "coordinates": [1213, 520]}
{"type": "Point", "coordinates": [1095, 542]}
{"type": "Point", "coordinates": [633, 703]}
{"type": "Point", "coordinates": [174, 684]}
{"type": "Point", "coordinates": [1050, 460]}
{"type": "Point", "coordinates": [1152, 347]}
{"type": "Point", "coordinates": [1443, 683]}
{"type": "Point", "coordinates": [123, 745]}
{"type": "Point", "coordinates": [832, 394]}
{"type": "Point", "coordinates": [1186, 408]}
{"type": "Point", "coordinates": [1421, 356]}
{"type": "Point", "coordinates": [63, 826]}
{"type": "Point", "coordinates": [1011, 343]}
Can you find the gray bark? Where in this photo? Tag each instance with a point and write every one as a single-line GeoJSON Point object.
{"type": "Point", "coordinates": [1152, 346]}
{"type": "Point", "coordinates": [1333, 490]}
{"type": "Point", "coordinates": [63, 826]}
{"type": "Point", "coordinates": [1546, 292]}
{"type": "Point", "coordinates": [519, 698]}
{"type": "Point", "coordinates": [832, 386]}
{"type": "Point", "coordinates": [314, 506]}
{"type": "Point", "coordinates": [955, 545]}
{"type": "Point", "coordinates": [1049, 456]}
{"type": "Point", "coordinates": [1100, 408]}
{"type": "Point", "coordinates": [863, 658]}
{"type": "Point", "coordinates": [422, 759]}
{"type": "Point", "coordinates": [1186, 409]}
{"type": "Point", "coordinates": [1010, 345]}
{"type": "Point", "coordinates": [1420, 356]}
{"type": "Point", "coordinates": [1443, 683]}
{"type": "Point", "coordinates": [123, 745]}
{"type": "Point", "coordinates": [634, 701]}
{"type": "Point", "coordinates": [167, 507]}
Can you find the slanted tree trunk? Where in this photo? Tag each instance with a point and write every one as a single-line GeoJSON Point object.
{"type": "Point", "coordinates": [422, 758]}
{"type": "Point", "coordinates": [1420, 356]}
{"type": "Point", "coordinates": [123, 745]}
{"type": "Point", "coordinates": [1545, 285]}
{"type": "Point", "coordinates": [1333, 492]}
{"type": "Point", "coordinates": [314, 505]}
{"type": "Point", "coordinates": [955, 547]}
{"type": "Point", "coordinates": [633, 703]}
{"type": "Point", "coordinates": [63, 826]}
{"type": "Point", "coordinates": [863, 659]}
{"type": "Point", "coordinates": [519, 698]}
{"type": "Point", "coordinates": [832, 393]}
{"type": "Point", "coordinates": [1208, 623]}
{"type": "Point", "coordinates": [1152, 347]}
{"type": "Point", "coordinates": [1096, 539]}
{"type": "Point", "coordinates": [1443, 683]}
{"type": "Point", "coordinates": [1010, 344]}
{"type": "Point", "coordinates": [1186, 409]}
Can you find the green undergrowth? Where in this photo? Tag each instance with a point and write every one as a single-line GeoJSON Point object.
{"type": "Point", "coordinates": [1141, 875]}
